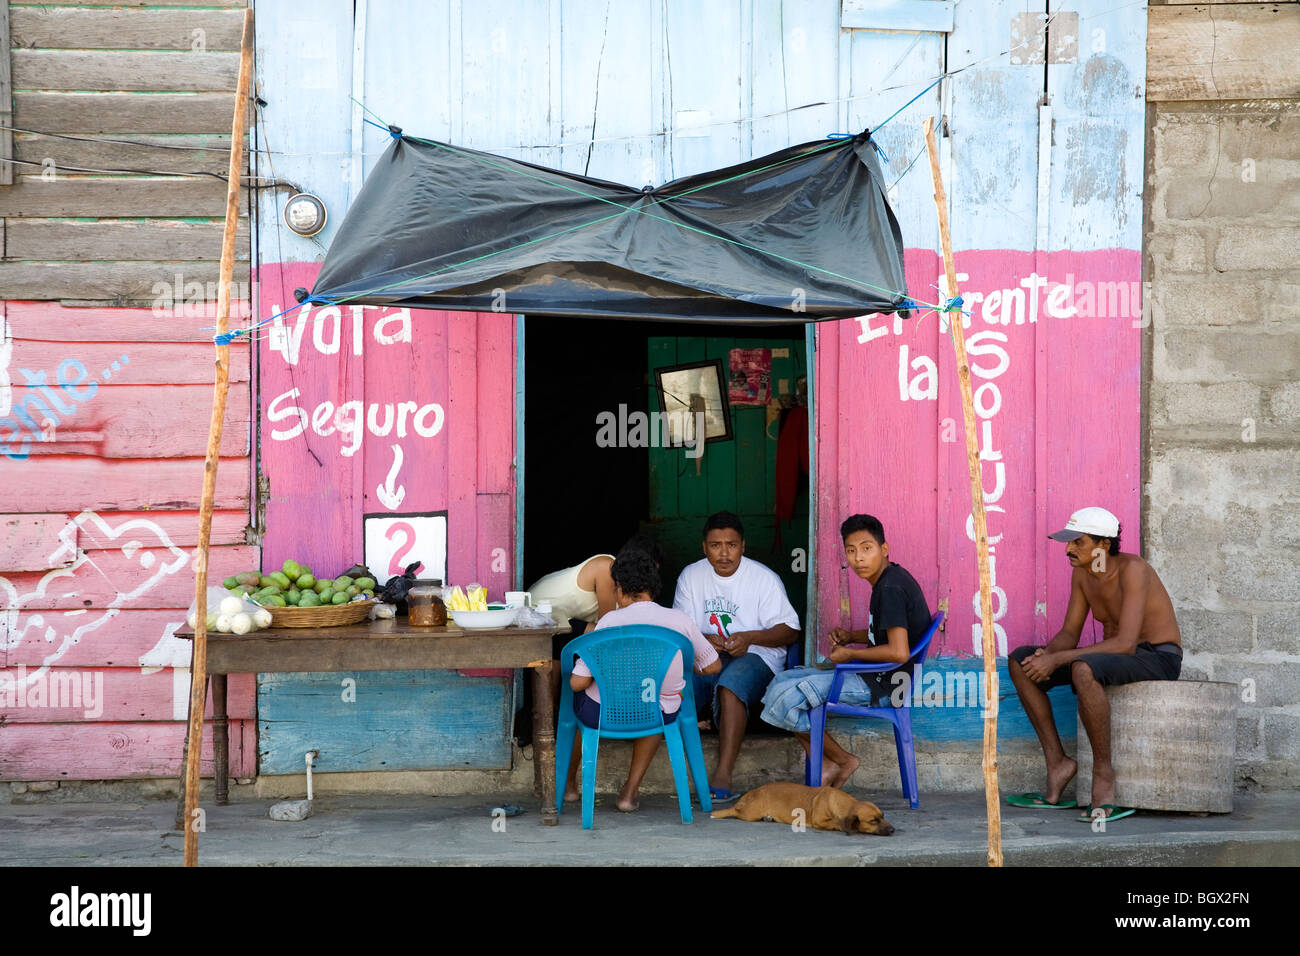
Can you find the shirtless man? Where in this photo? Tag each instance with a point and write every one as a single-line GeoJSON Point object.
{"type": "Point", "coordinates": [1140, 641]}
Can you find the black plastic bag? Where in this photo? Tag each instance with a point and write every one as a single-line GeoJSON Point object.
{"type": "Point", "coordinates": [394, 592]}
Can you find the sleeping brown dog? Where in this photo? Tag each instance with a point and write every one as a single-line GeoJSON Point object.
{"type": "Point", "coordinates": [824, 808]}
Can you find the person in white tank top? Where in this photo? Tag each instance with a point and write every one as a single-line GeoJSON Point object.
{"type": "Point", "coordinates": [583, 592]}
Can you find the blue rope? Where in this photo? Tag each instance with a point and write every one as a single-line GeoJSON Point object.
{"type": "Point", "coordinates": [937, 81]}
{"type": "Point", "coordinates": [226, 338]}
{"type": "Point", "coordinates": [909, 168]}
{"type": "Point", "coordinates": [393, 131]}
{"type": "Point", "coordinates": [909, 102]}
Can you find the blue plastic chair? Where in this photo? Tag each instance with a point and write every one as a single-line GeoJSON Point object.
{"type": "Point", "coordinates": [794, 654]}
{"type": "Point", "coordinates": [900, 717]}
{"type": "Point", "coordinates": [622, 659]}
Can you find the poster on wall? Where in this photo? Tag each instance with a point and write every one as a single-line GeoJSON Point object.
{"type": "Point", "coordinates": [750, 376]}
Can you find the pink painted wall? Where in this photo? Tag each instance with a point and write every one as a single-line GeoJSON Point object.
{"type": "Point", "coordinates": [454, 370]}
{"type": "Point", "coordinates": [1057, 376]}
{"type": "Point", "coordinates": [98, 526]}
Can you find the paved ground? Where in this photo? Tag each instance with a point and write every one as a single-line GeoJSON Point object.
{"type": "Point", "coordinates": [948, 829]}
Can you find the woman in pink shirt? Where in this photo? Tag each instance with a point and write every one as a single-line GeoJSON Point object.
{"type": "Point", "coordinates": [636, 585]}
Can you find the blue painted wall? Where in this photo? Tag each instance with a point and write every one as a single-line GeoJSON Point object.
{"type": "Point", "coordinates": [399, 720]}
{"type": "Point", "coordinates": [944, 711]}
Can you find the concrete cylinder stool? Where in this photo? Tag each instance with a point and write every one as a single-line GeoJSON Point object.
{"type": "Point", "coordinates": [1172, 744]}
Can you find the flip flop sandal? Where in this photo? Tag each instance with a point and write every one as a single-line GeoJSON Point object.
{"type": "Point", "coordinates": [1112, 813]}
{"type": "Point", "coordinates": [719, 795]}
{"type": "Point", "coordinates": [1036, 801]}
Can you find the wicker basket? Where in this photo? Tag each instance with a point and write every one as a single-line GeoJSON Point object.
{"type": "Point", "coordinates": [335, 615]}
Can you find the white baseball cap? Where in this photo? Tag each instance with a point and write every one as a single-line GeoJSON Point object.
{"type": "Point", "coordinates": [1097, 522]}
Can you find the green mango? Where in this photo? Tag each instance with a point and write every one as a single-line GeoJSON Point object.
{"type": "Point", "coordinates": [230, 584]}
{"type": "Point", "coordinates": [353, 590]}
{"type": "Point", "coordinates": [278, 600]}
{"type": "Point", "coordinates": [341, 597]}
{"type": "Point", "coordinates": [291, 568]}
{"type": "Point", "coordinates": [305, 581]}
{"type": "Point", "coordinates": [251, 578]}
{"type": "Point", "coordinates": [309, 599]}
{"type": "Point", "coordinates": [342, 583]}
{"type": "Point", "coordinates": [282, 579]}
{"type": "Point", "coordinates": [327, 595]}
{"type": "Point", "coordinates": [293, 595]}
{"type": "Point", "coordinates": [366, 584]}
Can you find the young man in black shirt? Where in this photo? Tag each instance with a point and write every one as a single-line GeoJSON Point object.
{"type": "Point", "coordinates": [899, 619]}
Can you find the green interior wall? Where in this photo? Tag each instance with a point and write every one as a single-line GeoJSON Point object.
{"type": "Point", "coordinates": [737, 475]}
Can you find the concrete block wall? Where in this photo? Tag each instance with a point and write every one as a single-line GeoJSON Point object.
{"type": "Point", "coordinates": [1222, 491]}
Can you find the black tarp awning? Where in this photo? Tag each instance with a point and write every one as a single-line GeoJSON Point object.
{"type": "Point", "coordinates": [802, 234]}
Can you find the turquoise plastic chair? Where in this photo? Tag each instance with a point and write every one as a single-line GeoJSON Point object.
{"type": "Point", "coordinates": [622, 660]}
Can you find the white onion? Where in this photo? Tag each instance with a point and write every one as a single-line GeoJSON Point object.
{"type": "Point", "coordinates": [224, 623]}
{"type": "Point", "coordinates": [241, 623]}
{"type": "Point", "coordinates": [262, 617]}
{"type": "Point", "coordinates": [193, 620]}
{"type": "Point", "coordinates": [230, 606]}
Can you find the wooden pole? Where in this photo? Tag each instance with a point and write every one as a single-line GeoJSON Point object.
{"type": "Point", "coordinates": [992, 805]}
{"type": "Point", "coordinates": [199, 672]}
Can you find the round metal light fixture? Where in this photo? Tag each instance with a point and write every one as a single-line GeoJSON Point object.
{"type": "Point", "coordinates": [305, 214]}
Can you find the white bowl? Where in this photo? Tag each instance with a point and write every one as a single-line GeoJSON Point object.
{"type": "Point", "coordinates": [474, 619]}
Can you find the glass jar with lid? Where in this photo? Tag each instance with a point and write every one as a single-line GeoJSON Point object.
{"type": "Point", "coordinates": [425, 605]}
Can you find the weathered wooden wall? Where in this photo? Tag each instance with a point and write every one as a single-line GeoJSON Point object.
{"type": "Point", "coordinates": [388, 438]}
{"type": "Point", "coordinates": [1041, 198]}
{"type": "Point", "coordinates": [106, 281]}
{"type": "Point", "coordinates": [1043, 166]}
{"type": "Point", "coordinates": [77, 224]}
{"type": "Point", "coordinates": [633, 92]}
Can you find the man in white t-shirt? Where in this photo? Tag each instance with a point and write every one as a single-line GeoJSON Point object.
{"type": "Point", "coordinates": [742, 608]}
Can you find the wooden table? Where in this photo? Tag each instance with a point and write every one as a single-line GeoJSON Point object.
{"type": "Point", "coordinates": [389, 645]}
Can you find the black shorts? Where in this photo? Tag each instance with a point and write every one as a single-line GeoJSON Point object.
{"type": "Point", "coordinates": [1147, 662]}
{"type": "Point", "coordinates": [588, 710]}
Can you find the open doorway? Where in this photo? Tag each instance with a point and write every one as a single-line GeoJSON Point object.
{"type": "Point", "coordinates": [584, 495]}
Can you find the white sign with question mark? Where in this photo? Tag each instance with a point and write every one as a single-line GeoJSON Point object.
{"type": "Point", "coordinates": [394, 541]}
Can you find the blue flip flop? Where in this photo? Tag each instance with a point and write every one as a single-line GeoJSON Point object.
{"type": "Point", "coordinates": [718, 795]}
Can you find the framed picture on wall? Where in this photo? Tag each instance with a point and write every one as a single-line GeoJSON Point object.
{"type": "Point", "coordinates": [692, 395]}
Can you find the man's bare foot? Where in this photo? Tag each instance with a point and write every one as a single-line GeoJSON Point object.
{"type": "Point", "coordinates": [1058, 778]}
{"type": "Point", "coordinates": [627, 802]}
{"type": "Point", "coordinates": [571, 795]}
{"type": "Point", "coordinates": [840, 776]}
{"type": "Point", "coordinates": [706, 725]}
{"type": "Point", "coordinates": [1103, 786]}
